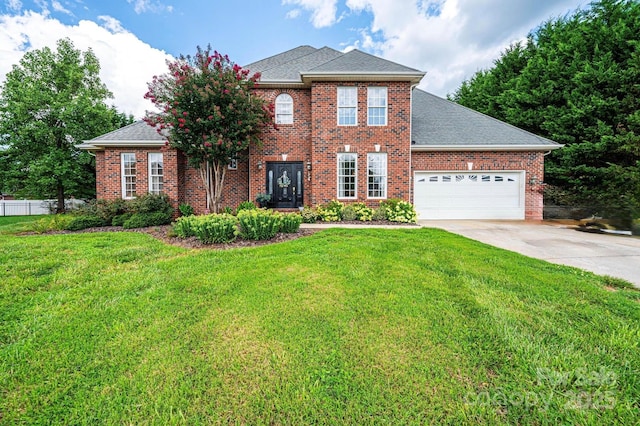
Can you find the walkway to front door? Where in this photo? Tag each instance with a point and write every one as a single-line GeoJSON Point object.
{"type": "Point", "coordinates": [285, 184]}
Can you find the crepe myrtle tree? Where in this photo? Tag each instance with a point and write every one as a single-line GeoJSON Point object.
{"type": "Point", "coordinates": [209, 112]}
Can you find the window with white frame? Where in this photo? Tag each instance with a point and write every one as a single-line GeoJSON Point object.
{"type": "Point", "coordinates": [128, 173]}
{"type": "Point", "coordinates": [233, 164]}
{"type": "Point", "coordinates": [156, 173]}
{"type": "Point", "coordinates": [347, 175]}
{"type": "Point", "coordinates": [377, 175]}
{"type": "Point", "coordinates": [377, 106]}
{"type": "Point", "coordinates": [347, 106]}
{"type": "Point", "coordinates": [284, 109]}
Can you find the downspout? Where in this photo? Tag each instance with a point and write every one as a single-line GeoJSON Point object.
{"type": "Point", "coordinates": [413, 86]}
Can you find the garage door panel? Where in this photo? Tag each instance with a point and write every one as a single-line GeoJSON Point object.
{"type": "Point", "coordinates": [469, 195]}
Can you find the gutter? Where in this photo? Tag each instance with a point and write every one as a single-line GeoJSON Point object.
{"type": "Point", "coordinates": [436, 148]}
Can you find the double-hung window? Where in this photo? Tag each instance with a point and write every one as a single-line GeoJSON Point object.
{"type": "Point", "coordinates": [347, 175]}
{"type": "Point", "coordinates": [377, 106]}
{"type": "Point", "coordinates": [284, 109]}
{"type": "Point", "coordinates": [156, 172]}
{"type": "Point", "coordinates": [377, 175]}
{"type": "Point", "coordinates": [347, 106]}
{"type": "Point", "coordinates": [128, 173]}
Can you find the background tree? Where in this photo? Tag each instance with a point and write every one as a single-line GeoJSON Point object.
{"type": "Point", "coordinates": [49, 102]}
{"type": "Point", "coordinates": [576, 81]}
{"type": "Point", "coordinates": [209, 112]}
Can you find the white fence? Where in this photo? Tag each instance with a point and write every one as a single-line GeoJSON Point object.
{"type": "Point", "coordinates": [32, 207]}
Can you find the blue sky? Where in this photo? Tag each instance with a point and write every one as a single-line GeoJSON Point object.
{"type": "Point", "coordinates": [449, 39]}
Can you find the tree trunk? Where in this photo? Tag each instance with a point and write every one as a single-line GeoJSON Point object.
{"type": "Point", "coordinates": [212, 175]}
{"type": "Point", "coordinates": [60, 207]}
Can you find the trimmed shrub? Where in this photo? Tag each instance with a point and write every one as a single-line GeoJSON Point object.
{"type": "Point", "coordinates": [290, 223]}
{"type": "Point", "coordinates": [84, 222]}
{"type": "Point", "coordinates": [379, 214]}
{"type": "Point", "coordinates": [185, 209]}
{"type": "Point", "coordinates": [399, 211]}
{"type": "Point", "coordinates": [309, 215]}
{"type": "Point", "coordinates": [120, 219]}
{"type": "Point", "coordinates": [151, 203]}
{"type": "Point", "coordinates": [349, 212]}
{"type": "Point", "coordinates": [185, 226]}
{"type": "Point", "coordinates": [227, 210]}
{"type": "Point", "coordinates": [55, 222]}
{"type": "Point", "coordinates": [215, 228]}
{"type": "Point", "coordinates": [331, 212]}
{"type": "Point", "coordinates": [363, 213]}
{"type": "Point", "coordinates": [142, 220]}
{"type": "Point", "coordinates": [259, 224]}
{"type": "Point", "coordinates": [246, 205]}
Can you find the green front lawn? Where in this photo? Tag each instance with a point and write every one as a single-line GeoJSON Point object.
{"type": "Point", "coordinates": [343, 327]}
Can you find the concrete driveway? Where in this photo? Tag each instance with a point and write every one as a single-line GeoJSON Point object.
{"type": "Point", "coordinates": [617, 256]}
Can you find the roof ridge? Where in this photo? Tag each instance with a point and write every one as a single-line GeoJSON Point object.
{"type": "Point", "coordinates": [281, 54]}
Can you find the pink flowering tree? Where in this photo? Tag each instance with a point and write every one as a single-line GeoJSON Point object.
{"type": "Point", "coordinates": [209, 112]}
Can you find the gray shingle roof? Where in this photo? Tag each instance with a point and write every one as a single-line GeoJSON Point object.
{"type": "Point", "coordinates": [292, 64]}
{"type": "Point", "coordinates": [356, 61]}
{"type": "Point", "coordinates": [138, 131]}
{"type": "Point", "coordinates": [437, 122]}
{"type": "Point", "coordinates": [290, 71]}
{"type": "Point", "coordinates": [279, 59]}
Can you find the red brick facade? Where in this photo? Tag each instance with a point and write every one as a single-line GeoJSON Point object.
{"type": "Point", "coordinates": [315, 139]}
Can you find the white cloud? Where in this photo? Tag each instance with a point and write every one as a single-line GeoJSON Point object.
{"type": "Point", "coordinates": [127, 63]}
{"type": "Point", "coordinates": [323, 12]}
{"type": "Point", "coordinates": [293, 14]}
{"type": "Point", "coordinates": [14, 5]}
{"type": "Point", "coordinates": [58, 7]}
{"type": "Point", "coordinates": [450, 39]}
{"type": "Point", "coordinates": [141, 6]}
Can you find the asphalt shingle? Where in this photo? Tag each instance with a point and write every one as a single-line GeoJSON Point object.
{"type": "Point", "coordinates": [437, 121]}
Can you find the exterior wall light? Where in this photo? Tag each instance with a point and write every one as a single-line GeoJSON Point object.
{"type": "Point", "coordinates": [259, 164]}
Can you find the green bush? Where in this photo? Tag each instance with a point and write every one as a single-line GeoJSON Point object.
{"type": "Point", "coordinates": [185, 209]}
{"type": "Point", "coordinates": [55, 222]}
{"type": "Point", "coordinates": [379, 214]}
{"type": "Point", "coordinates": [151, 203]}
{"type": "Point", "coordinates": [246, 205]}
{"type": "Point", "coordinates": [142, 220]}
{"type": "Point", "coordinates": [259, 224]}
{"type": "Point", "coordinates": [290, 223]}
{"type": "Point", "coordinates": [363, 213]}
{"type": "Point", "coordinates": [185, 226]}
{"type": "Point", "coordinates": [309, 215]}
{"type": "Point", "coordinates": [215, 228]}
{"type": "Point", "coordinates": [120, 219]}
{"type": "Point", "coordinates": [331, 212]}
{"type": "Point", "coordinates": [349, 212]}
{"type": "Point", "coordinates": [227, 210]}
{"type": "Point", "coordinates": [84, 221]}
{"type": "Point", "coordinates": [399, 211]}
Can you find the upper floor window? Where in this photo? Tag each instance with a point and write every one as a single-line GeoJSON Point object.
{"type": "Point", "coordinates": [156, 172]}
{"type": "Point", "coordinates": [284, 109]}
{"type": "Point", "coordinates": [347, 106]}
{"type": "Point", "coordinates": [377, 106]}
{"type": "Point", "coordinates": [128, 173]}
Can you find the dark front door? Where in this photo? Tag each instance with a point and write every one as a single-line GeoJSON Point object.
{"type": "Point", "coordinates": [285, 184]}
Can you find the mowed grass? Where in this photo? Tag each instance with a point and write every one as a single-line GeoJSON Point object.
{"type": "Point", "coordinates": [16, 223]}
{"type": "Point", "coordinates": [409, 326]}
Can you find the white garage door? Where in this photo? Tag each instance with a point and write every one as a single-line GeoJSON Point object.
{"type": "Point", "coordinates": [469, 195]}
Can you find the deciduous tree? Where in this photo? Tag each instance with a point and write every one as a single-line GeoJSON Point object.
{"type": "Point", "coordinates": [49, 102]}
{"type": "Point", "coordinates": [209, 112]}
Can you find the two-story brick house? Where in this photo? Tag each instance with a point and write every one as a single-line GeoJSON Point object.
{"type": "Point", "coordinates": [351, 127]}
